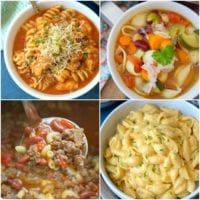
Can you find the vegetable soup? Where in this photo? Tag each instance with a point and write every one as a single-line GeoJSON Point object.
{"type": "Point", "coordinates": [30, 172]}
{"type": "Point", "coordinates": [157, 54]}
{"type": "Point", "coordinates": [57, 51]}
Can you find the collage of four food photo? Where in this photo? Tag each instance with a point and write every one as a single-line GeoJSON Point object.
{"type": "Point", "coordinates": [99, 99]}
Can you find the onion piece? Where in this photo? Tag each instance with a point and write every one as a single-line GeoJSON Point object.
{"type": "Point", "coordinates": [126, 28]}
{"type": "Point", "coordinates": [131, 68]}
{"type": "Point", "coordinates": [169, 93]}
{"type": "Point", "coordinates": [181, 74]}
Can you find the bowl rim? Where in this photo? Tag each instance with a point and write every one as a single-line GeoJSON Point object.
{"type": "Point", "coordinates": [8, 48]}
{"type": "Point", "coordinates": [103, 171]}
{"type": "Point", "coordinates": [192, 93]}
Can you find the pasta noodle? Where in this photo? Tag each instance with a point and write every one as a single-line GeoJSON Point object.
{"type": "Point", "coordinates": [152, 155]}
{"type": "Point", "coordinates": [60, 51]}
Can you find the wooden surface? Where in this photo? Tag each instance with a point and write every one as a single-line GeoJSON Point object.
{"type": "Point", "coordinates": [110, 90]}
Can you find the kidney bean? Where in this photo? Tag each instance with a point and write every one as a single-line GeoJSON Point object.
{"type": "Point", "coordinates": [33, 140]}
{"type": "Point", "coordinates": [15, 183]}
{"type": "Point", "coordinates": [24, 159]}
{"type": "Point", "coordinates": [57, 126]}
{"type": "Point", "coordinates": [142, 44]}
{"type": "Point", "coordinates": [87, 194]}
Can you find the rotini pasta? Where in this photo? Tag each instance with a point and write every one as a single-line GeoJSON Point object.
{"type": "Point", "coordinates": [59, 52]}
{"type": "Point", "coordinates": [152, 155]}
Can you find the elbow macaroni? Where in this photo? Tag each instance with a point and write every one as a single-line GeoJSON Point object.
{"type": "Point", "coordinates": [154, 154]}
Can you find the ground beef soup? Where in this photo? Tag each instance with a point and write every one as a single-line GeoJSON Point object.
{"type": "Point", "coordinates": [75, 178]}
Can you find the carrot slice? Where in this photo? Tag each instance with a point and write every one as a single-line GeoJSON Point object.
{"type": "Point", "coordinates": [145, 75]}
{"type": "Point", "coordinates": [131, 48]}
{"type": "Point", "coordinates": [124, 40]}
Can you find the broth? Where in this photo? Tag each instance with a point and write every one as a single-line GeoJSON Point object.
{"type": "Point", "coordinates": [157, 54]}
{"type": "Point", "coordinates": [57, 72]}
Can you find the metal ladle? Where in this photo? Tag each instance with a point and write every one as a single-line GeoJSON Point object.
{"type": "Point", "coordinates": [34, 120]}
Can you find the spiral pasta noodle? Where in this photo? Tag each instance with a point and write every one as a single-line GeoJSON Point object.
{"type": "Point", "coordinates": [60, 53]}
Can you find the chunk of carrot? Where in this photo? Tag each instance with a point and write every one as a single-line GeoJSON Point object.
{"type": "Point", "coordinates": [131, 48]}
{"type": "Point", "coordinates": [183, 56]}
{"type": "Point", "coordinates": [118, 58]}
{"type": "Point", "coordinates": [124, 40]}
{"type": "Point", "coordinates": [155, 41]}
{"type": "Point", "coordinates": [144, 74]}
{"type": "Point", "coordinates": [136, 62]}
{"type": "Point", "coordinates": [165, 43]}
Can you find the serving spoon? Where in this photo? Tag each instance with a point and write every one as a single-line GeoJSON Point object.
{"type": "Point", "coordinates": [35, 6]}
{"type": "Point", "coordinates": [34, 120]}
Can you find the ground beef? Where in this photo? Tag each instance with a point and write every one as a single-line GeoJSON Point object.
{"type": "Point", "coordinates": [56, 144]}
{"type": "Point", "coordinates": [7, 191]}
{"type": "Point", "coordinates": [70, 148]}
{"type": "Point", "coordinates": [11, 172]}
{"type": "Point", "coordinates": [79, 160]}
{"type": "Point", "coordinates": [74, 135]}
{"type": "Point", "coordinates": [33, 154]}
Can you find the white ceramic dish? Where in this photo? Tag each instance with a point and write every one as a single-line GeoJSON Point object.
{"type": "Point", "coordinates": [8, 48]}
{"type": "Point", "coordinates": [109, 126]}
{"type": "Point", "coordinates": [125, 17]}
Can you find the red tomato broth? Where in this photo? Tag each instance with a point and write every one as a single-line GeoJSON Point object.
{"type": "Point", "coordinates": [19, 44]}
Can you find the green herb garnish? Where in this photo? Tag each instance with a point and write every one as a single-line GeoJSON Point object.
{"type": "Point", "coordinates": [85, 55]}
{"type": "Point", "coordinates": [39, 41]}
{"type": "Point", "coordinates": [165, 55]}
{"type": "Point", "coordinates": [145, 174]}
{"type": "Point", "coordinates": [55, 16]}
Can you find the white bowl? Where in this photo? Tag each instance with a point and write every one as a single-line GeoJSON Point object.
{"type": "Point", "coordinates": [109, 126]}
{"type": "Point", "coordinates": [8, 48]}
{"type": "Point", "coordinates": [165, 5]}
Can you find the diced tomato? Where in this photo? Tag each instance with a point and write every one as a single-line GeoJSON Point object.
{"type": "Point", "coordinates": [15, 183]}
{"type": "Point", "coordinates": [87, 194]}
{"type": "Point", "coordinates": [174, 18]}
{"type": "Point", "coordinates": [33, 140]}
{"type": "Point", "coordinates": [40, 145]}
{"type": "Point", "coordinates": [42, 162]}
{"type": "Point", "coordinates": [6, 158]}
{"type": "Point", "coordinates": [66, 124]}
{"type": "Point", "coordinates": [62, 163]}
{"type": "Point", "coordinates": [24, 159]}
{"type": "Point", "coordinates": [129, 80]}
{"type": "Point", "coordinates": [136, 62]}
